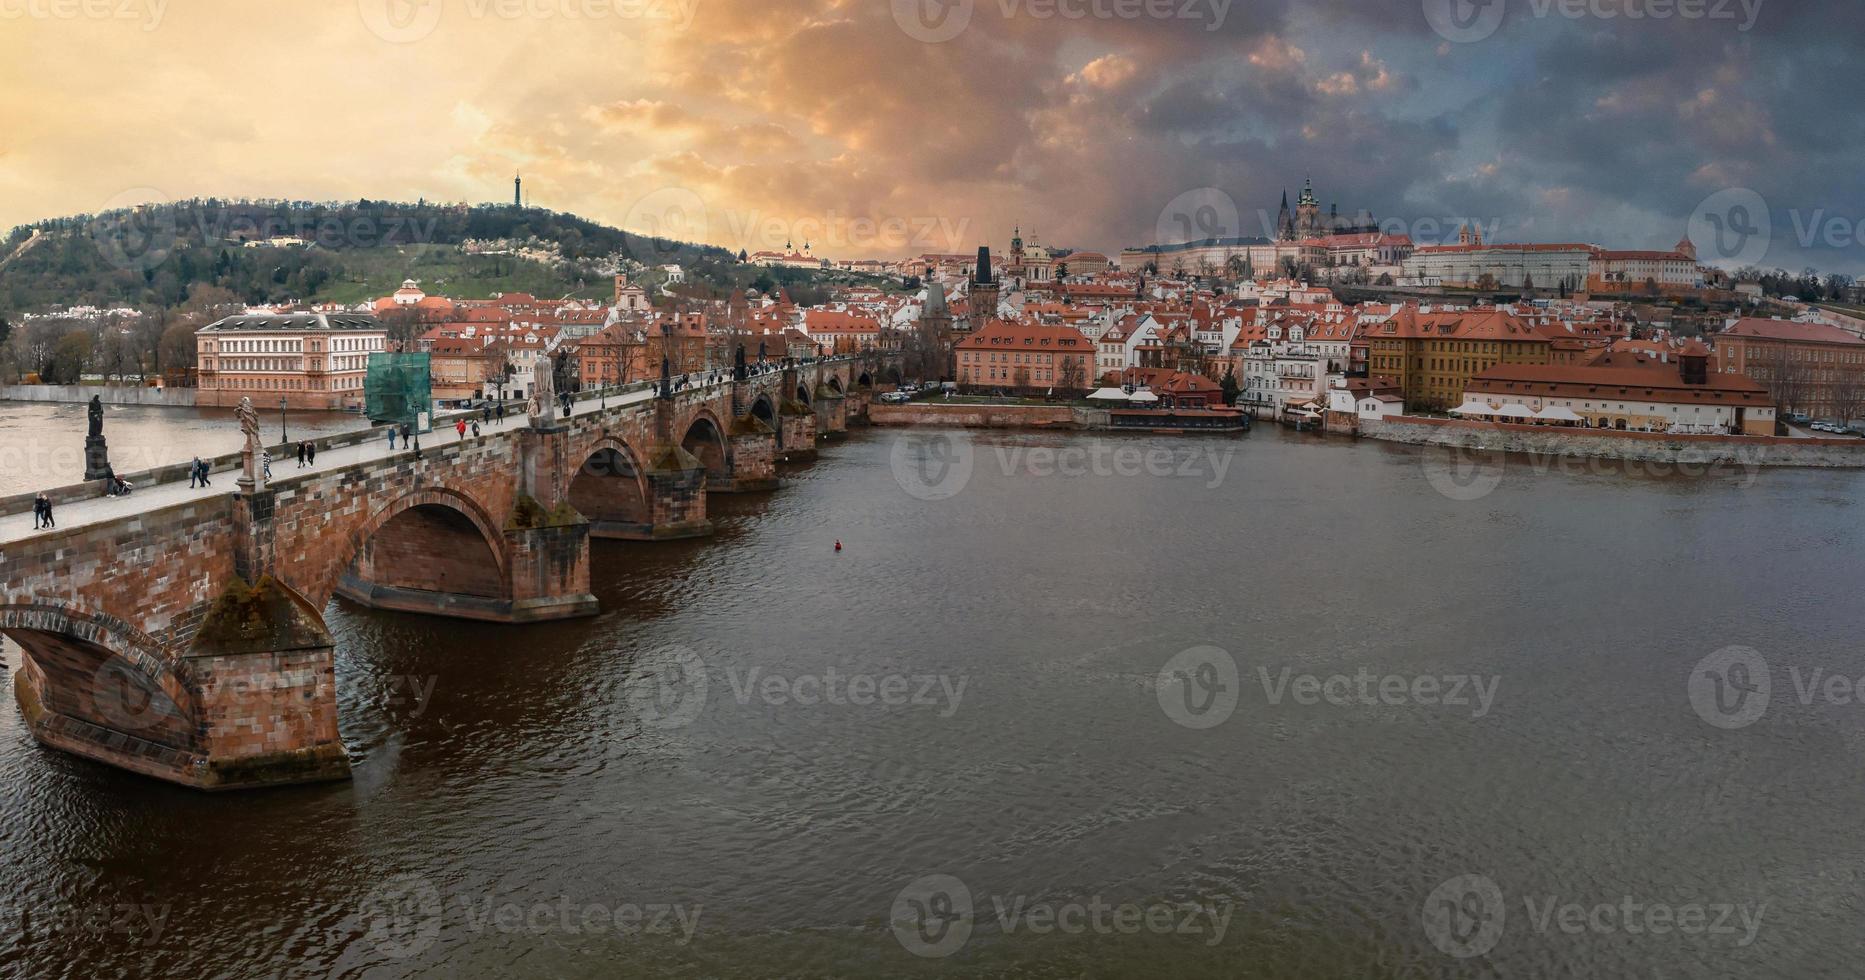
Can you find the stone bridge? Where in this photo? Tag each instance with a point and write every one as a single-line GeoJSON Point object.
{"type": "Point", "coordinates": [184, 639]}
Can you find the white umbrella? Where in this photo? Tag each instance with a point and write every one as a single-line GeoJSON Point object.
{"type": "Point", "coordinates": [1473, 408]}
{"type": "Point", "coordinates": [1558, 413]}
{"type": "Point", "coordinates": [1514, 411]}
{"type": "Point", "coordinates": [1109, 394]}
{"type": "Point", "coordinates": [1144, 396]}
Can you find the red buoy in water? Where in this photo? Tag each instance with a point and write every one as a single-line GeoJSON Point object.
{"type": "Point", "coordinates": [838, 544]}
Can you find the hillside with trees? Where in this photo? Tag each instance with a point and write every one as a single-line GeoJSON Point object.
{"type": "Point", "coordinates": [155, 256]}
{"type": "Point", "coordinates": [153, 275]}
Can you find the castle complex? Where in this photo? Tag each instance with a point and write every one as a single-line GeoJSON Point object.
{"type": "Point", "coordinates": [1304, 238]}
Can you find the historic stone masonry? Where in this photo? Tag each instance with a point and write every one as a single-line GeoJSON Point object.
{"type": "Point", "coordinates": [188, 643]}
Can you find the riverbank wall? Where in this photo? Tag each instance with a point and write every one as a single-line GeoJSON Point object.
{"type": "Point", "coordinates": [1651, 447]}
{"type": "Point", "coordinates": [1067, 417]}
{"type": "Point", "coordinates": [127, 395]}
{"type": "Point", "coordinates": [975, 416]}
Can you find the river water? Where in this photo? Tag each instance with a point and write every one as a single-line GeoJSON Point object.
{"type": "Point", "coordinates": [1533, 779]}
{"type": "Point", "coordinates": [42, 445]}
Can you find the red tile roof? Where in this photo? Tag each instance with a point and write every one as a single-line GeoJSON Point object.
{"type": "Point", "coordinates": [1811, 333]}
{"type": "Point", "coordinates": [1002, 334]}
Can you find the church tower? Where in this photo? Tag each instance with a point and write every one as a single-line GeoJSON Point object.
{"type": "Point", "coordinates": [1308, 212]}
{"type": "Point", "coordinates": [1285, 225]}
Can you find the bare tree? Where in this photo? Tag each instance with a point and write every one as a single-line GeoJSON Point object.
{"type": "Point", "coordinates": [1846, 395]}
{"type": "Point", "coordinates": [1071, 377]}
{"type": "Point", "coordinates": [928, 352]}
{"type": "Point", "coordinates": [176, 348]}
{"type": "Point", "coordinates": [1785, 376]}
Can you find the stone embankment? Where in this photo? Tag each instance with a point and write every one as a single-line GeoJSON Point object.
{"type": "Point", "coordinates": [1652, 447]}
{"type": "Point", "coordinates": [126, 395]}
{"type": "Point", "coordinates": [972, 416]}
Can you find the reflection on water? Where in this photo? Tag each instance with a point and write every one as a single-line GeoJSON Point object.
{"type": "Point", "coordinates": [528, 802]}
{"type": "Point", "coordinates": [42, 446]}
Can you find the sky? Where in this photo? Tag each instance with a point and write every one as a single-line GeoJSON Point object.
{"type": "Point", "coordinates": [884, 128]}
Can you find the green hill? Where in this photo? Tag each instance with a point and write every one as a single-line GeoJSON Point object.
{"type": "Point", "coordinates": [151, 257]}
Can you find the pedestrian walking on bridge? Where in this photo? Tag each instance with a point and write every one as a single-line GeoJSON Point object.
{"type": "Point", "coordinates": [42, 510]}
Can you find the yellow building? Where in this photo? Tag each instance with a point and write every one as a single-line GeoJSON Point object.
{"type": "Point", "coordinates": [1432, 356]}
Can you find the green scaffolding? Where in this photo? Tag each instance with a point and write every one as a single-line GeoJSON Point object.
{"type": "Point", "coordinates": [399, 388]}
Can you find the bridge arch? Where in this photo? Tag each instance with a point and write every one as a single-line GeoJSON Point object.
{"type": "Point", "coordinates": [610, 488]}
{"type": "Point", "coordinates": [803, 393]}
{"type": "Point", "coordinates": [91, 674]}
{"type": "Point", "coordinates": [835, 383]}
{"type": "Point", "coordinates": [436, 540]}
{"type": "Point", "coordinates": [765, 410]}
{"type": "Point", "coordinates": [865, 381]}
{"type": "Point", "coordinates": [705, 438]}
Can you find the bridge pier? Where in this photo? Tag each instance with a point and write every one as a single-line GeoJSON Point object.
{"type": "Point", "coordinates": [265, 666]}
{"type": "Point", "coordinates": [549, 555]}
{"type": "Point", "coordinates": [798, 435]}
{"type": "Point", "coordinates": [754, 458]}
{"type": "Point", "coordinates": [831, 412]}
{"type": "Point", "coordinates": [677, 494]}
{"type": "Point", "coordinates": [856, 409]}
{"type": "Point", "coordinates": [251, 702]}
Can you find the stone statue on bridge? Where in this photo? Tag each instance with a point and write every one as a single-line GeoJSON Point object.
{"type": "Point", "coordinates": [254, 474]}
{"type": "Point", "coordinates": [96, 454]}
{"type": "Point", "coordinates": [543, 391]}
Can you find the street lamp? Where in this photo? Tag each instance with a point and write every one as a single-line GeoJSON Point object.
{"type": "Point", "coordinates": [282, 437]}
